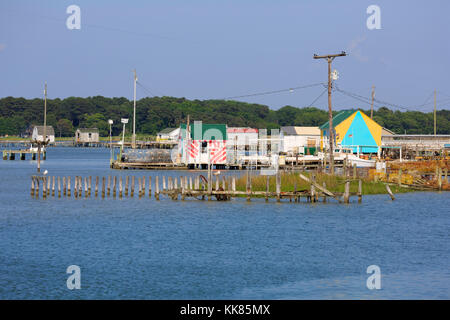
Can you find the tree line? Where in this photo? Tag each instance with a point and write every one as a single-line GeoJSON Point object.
{"type": "Point", "coordinates": [19, 115]}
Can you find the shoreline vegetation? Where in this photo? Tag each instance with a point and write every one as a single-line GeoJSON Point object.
{"type": "Point", "coordinates": [333, 183]}
{"type": "Point", "coordinates": [18, 115]}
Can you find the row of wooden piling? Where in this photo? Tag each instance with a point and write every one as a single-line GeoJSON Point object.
{"type": "Point", "coordinates": [11, 154]}
{"type": "Point", "coordinates": [221, 188]}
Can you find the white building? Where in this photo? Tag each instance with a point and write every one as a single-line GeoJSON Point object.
{"type": "Point", "coordinates": [168, 134]}
{"type": "Point", "coordinates": [296, 139]}
{"type": "Point", "coordinates": [38, 134]}
{"type": "Point", "coordinates": [86, 135]}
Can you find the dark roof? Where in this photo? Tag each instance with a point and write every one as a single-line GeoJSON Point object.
{"type": "Point", "coordinates": [88, 130]}
{"type": "Point", "coordinates": [289, 131]}
{"type": "Point", "coordinates": [167, 130]}
{"type": "Point", "coordinates": [341, 116]}
{"type": "Point", "coordinates": [49, 130]}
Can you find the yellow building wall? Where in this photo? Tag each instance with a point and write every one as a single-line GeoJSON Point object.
{"type": "Point", "coordinates": [374, 128]}
{"type": "Point", "coordinates": [341, 128]}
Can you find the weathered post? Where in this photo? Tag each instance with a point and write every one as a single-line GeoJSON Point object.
{"type": "Point", "coordinates": [324, 195]}
{"type": "Point", "coordinates": [400, 177]}
{"type": "Point", "coordinates": [32, 185]}
{"type": "Point", "coordinates": [44, 186]}
{"type": "Point", "coordinates": [197, 183]}
{"type": "Point", "coordinates": [139, 187]}
{"type": "Point", "coordinates": [132, 186]}
{"type": "Point", "coordinates": [150, 186]}
{"type": "Point", "coordinates": [143, 185]}
{"type": "Point", "coordinates": [68, 186]}
{"type": "Point", "coordinates": [103, 187]}
{"type": "Point", "coordinates": [233, 185]}
{"type": "Point", "coordinates": [190, 183]}
{"type": "Point", "coordinates": [347, 192]}
{"type": "Point", "coordinates": [114, 186]}
{"type": "Point", "coordinates": [390, 192]}
{"type": "Point", "coordinates": [163, 183]}
{"type": "Point", "coordinates": [59, 187]}
{"type": "Point", "coordinates": [75, 186]}
{"type": "Point", "coordinates": [267, 188]}
{"type": "Point", "coordinates": [440, 178]}
{"type": "Point", "coordinates": [278, 186]}
{"type": "Point", "coordinates": [96, 186]}
{"type": "Point", "coordinates": [89, 185]}
{"type": "Point", "coordinates": [53, 186]}
{"type": "Point", "coordinates": [359, 191]}
{"type": "Point", "coordinates": [48, 185]}
{"type": "Point", "coordinates": [120, 187]}
{"type": "Point", "coordinates": [64, 186]}
{"type": "Point", "coordinates": [85, 187]}
{"type": "Point", "coordinates": [354, 171]}
{"type": "Point", "coordinates": [37, 187]}
{"type": "Point", "coordinates": [108, 190]}
{"type": "Point", "coordinates": [157, 187]}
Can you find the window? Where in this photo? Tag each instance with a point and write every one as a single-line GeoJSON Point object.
{"type": "Point", "coordinates": [90, 135]}
{"type": "Point", "coordinates": [204, 146]}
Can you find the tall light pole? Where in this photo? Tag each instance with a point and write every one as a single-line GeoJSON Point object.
{"type": "Point", "coordinates": [434, 112]}
{"type": "Point", "coordinates": [124, 121]}
{"type": "Point", "coordinates": [44, 137]}
{"type": "Point", "coordinates": [330, 59]}
{"type": "Point", "coordinates": [133, 139]}
{"type": "Point", "coordinates": [110, 122]}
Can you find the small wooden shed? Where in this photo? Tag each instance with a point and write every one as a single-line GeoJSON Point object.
{"type": "Point", "coordinates": [87, 135]}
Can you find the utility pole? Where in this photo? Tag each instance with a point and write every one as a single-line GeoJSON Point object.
{"type": "Point", "coordinates": [330, 59]}
{"type": "Point", "coordinates": [44, 137]}
{"type": "Point", "coordinates": [188, 136]}
{"type": "Point", "coordinates": [133, 139]}
{"type": "Point", "coordinates": [373, 98]}
{"type": "Point", "coordinates": [434, 112]}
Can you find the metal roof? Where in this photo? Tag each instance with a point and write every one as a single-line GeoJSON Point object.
{"type": "Point", "coordinates": [49, 130]}
{"type": "Point", "coordinates": [167, 130]}
{"type": "Point", "coordinates": [88, 130]}
{"type": "Point", "coordinates": [298, 131]}
{"type": "Point", "coordinates": [341, 116]}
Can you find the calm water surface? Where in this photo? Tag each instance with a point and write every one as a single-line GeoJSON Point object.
{"type": "Point", "coordinates": [192, 249]}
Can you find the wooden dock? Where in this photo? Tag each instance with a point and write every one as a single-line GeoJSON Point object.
{"type": "Point", "coordinates": [11, 154]}
{"type": "Point", "coordinates": [182, 187]}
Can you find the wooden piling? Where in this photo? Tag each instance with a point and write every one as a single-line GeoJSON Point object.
{"type": "Point", "coordinates": [278, 186]}
{"type": "Point", "coordinates": [120, 187]}
{"type": "Point", "coordinates": [108, 189]}
{"type": "Point", "coordinates": [163, 183]}
{"type": "Point", "coordinates": [114, 186]}
{"type": "Point", "coordinates": [267, 188]}
{"type": "Point", "coordinates": [89, 185]}
{"type": "Point", "coordinates": [388, 189]}
{"type": "Point", "coordinates": [36, 187]}
{"type": "Point", "coordinates": [59, 187]}
{"type": "Point", "coordinates": [347, 192]}
{"type": "Point", "coordinates": [48, 185]}
{"type": "Point", "coordinates": [400, 177]}
{"type": "Point", "coordinates": [64, 186]}
{"type": "Point", "coordinates": [440, 178]}
{"type": "Point", "coordinates": [75, 186]}
{"type": "Point", "coordinates": [359, 191]}
{"type": "Point", "coordinates": [324, 195]}
{"type": "Point", "coordinates": [143, 185]}
{"type": "Point", "coordinates": [96, 186]}
{"type": "Point", "coordinates": [53, 186]}
{"type": "Point", "coordinates": [354, 171]}
{"type": "Point", "coordinates": [197, 183]}
{"type": "Point", "coordinates": [44, 186]}
{"type": "Point", "coordinates": [132, 186]}
{"type": "Point", "coordinates": [139, 187]}
{"type": "Point", "coordinates": [68, 186]}
{"type": "Point", "coordinates": [157, 187]}
{"type": "Point", "coordinates": [103, 187]}
{"type": "Point", "coordinates": [32, 185]}
{"type": "Point", "coordinates": [86, 187]}
{"type": "Point", "coordinates": [127, 182]}
{"type": "Point", "coordinates": [150, 187]}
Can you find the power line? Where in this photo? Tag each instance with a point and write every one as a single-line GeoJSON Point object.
{"type": "Point", "coordinates": [275, 91]}
{"type": "Point", "coordinates": [320, 95]}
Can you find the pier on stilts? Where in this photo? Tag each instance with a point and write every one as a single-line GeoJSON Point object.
{"type": "Point", "coordinates": [21, 154]}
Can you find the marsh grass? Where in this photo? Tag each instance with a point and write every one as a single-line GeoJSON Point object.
{"type": "Point", "coordinates": [333, 183]}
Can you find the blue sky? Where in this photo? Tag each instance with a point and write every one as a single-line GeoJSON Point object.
{"type": "Point", "coordinates": [216, 49]}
